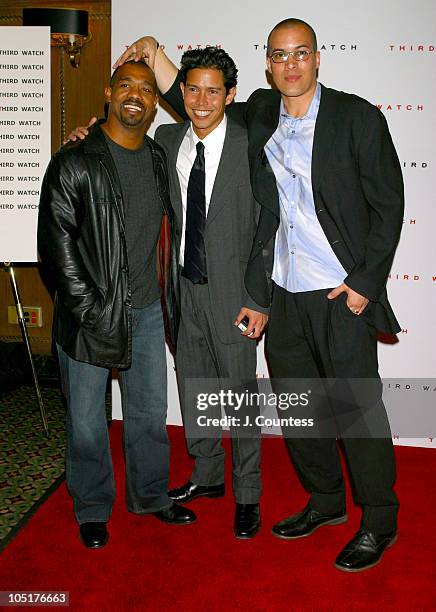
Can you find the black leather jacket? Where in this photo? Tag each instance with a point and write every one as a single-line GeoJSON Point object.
{"type": "Point", "coordinates": [81, 236]}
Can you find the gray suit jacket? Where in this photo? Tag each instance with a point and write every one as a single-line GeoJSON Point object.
{"type": "Point", "coordinates": [230, 226]}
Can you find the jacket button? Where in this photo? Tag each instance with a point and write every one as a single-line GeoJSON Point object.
{"type": "Point", "coordinates": [260, 244]}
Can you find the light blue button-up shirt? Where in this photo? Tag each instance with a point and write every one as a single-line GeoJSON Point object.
{"type": "Point", "coordinates": [303, 259]}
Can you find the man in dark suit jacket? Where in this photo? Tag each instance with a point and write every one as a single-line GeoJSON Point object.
{"type": "Point", "coordinates": [324, 163]}
{"type": "Point", "coordinates": [326, 173]}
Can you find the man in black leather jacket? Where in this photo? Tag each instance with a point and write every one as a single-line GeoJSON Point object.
{"type": "Point", "coordinates": [100, 216]}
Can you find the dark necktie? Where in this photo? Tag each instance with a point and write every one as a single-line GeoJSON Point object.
{"type": "Point", "coordinates": [194, 266]}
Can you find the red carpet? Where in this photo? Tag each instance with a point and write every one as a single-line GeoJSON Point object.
{"type": "Point", "coordinates": [148, 565]}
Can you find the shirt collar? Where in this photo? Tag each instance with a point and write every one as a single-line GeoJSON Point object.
{"type": "Point", "coordinates": [312, 111]}
{"type": "Point", "coordinates": [212, 140]}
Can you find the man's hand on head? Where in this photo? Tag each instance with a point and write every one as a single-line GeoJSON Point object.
{"type": "Point", "coordinates": [144, 49]}
{"type": "Point", "coordinates": [256, 322]}
{"type": "Point", "coordinates": [355, 302]}
{"type": "Point", "coordinates": [147, 49]}
{"type": "Point", "coordinates": [80, 132]}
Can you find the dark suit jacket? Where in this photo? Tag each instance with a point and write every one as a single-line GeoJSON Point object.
{"type": "Point", "coordinates": [230, 226]}
{"type": "Point", "coordinates": [357, 189]}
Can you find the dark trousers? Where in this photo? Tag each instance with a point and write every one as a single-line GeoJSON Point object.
{"type": "Point", "coordinates": [310, 336]}
{"type": "Point", "coordinates": [144, 399]}
{"type": "Point", "coordinates": [200, 354]}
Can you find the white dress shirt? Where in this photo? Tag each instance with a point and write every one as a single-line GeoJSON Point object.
{"type": "Point", "coordinates": [213, 147]}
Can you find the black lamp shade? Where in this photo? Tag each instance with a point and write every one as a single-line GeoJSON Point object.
{"type": "Point", "coordinates": [61, 21]}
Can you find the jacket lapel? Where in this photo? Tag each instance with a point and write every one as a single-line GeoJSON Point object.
{"type": "Point", "coordinates": [234, 148]}
{"type": "Point", "coordinates": [173, 151]}
{"type": "Point", "coordinates": [324, 137]}
{"type": "Point", "coordinates": [265, 124]}
{"type": "Point", "coordinates": [267, 120]}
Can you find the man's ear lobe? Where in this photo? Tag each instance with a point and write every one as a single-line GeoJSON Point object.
{"type": "Point", "coordinates": [182, 89]}
{"type": "Point", "coordinates": [108, 94]}
{"type": "Point", "coordinates": [230, 95]}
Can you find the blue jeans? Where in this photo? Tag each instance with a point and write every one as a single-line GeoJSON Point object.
{"type": "Point", "coordinates": [89, 469]}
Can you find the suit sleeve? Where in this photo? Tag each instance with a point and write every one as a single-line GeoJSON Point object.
{"type": "Point", "coordinates": [58, 230]}
{"type": "Point", "coordinates": [382, 184]}
{"type": "Point", "coordinates": [175, 99]}
{"type": "Point", "coordinates": [249, 303]}
{"type": "Point", "coordinates": [158, 136]}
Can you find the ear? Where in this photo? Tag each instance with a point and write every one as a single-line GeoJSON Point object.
{"type": "Point", "coordinates": [317, 59]}
{"type": "Point", "coordinates": [182, 88]}
{"type": "Point", "coordinates": [268, 64]}
{"type": "Point", "coordinates": [108, 94]}
{"type": "Point", "coordinates": [230, 95]}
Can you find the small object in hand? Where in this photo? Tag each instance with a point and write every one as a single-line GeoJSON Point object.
{"type": "Point", "coordinates": [243, 325]}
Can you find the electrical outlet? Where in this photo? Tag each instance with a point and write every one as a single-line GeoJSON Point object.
{"type": "Point", "coordinates": [32, 316]}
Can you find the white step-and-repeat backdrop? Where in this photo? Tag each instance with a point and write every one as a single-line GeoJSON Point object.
{"type": "Point", "coordinates": [24, 136]}
{"type": "Point", "coordinates": [382, 51]}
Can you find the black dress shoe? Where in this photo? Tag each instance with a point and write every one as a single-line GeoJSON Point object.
{"type": "Point", "coordinates": [190, 491]}
{"type": "Point", "coordinates": [176, 515]}
{"type": "Point", "coordinates": [247, 521]}
{"type": "Point", "coordinates": [94, 535]}
{"type": "Point", "coordinates": [364, 551]}
{"type": "Point", "coordinates": [306, 522]}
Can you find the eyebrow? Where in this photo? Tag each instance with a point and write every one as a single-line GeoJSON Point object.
{"type": "Point", "coordinates": [188, 84]}
{"type": "Point", "coordinates": [295, 48]}
{"type": "Point", "coordinates": [128, 78]}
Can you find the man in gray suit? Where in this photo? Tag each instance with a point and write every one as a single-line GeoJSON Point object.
{"type": "Point", "coordinates": [216, 217]}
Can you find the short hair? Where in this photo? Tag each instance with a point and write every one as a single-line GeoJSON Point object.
{"type": "Point", "coordinates": [114, 74]}
{"type": "Point", "coordinates": [210, 57]}
{"type": "Point", "coordinates": [290, 23]}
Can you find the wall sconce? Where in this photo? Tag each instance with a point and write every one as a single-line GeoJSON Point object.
{"type": "Point", "coordinates": [68, 28]}
{"type": "Point", "coordinates": [68, 32]}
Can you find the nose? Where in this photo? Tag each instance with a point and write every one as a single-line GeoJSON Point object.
{"type": "Point", "coordinates": [291, 61]}
{"type": "Point", "coordinates": [202, 97]}
{"type": "Point", "coordinates": [135, 90]}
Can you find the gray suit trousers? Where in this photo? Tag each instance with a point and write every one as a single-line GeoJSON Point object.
{"type": "Point", "coordinates": [200, 354]}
